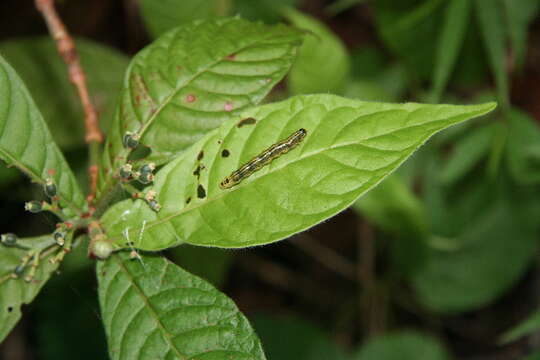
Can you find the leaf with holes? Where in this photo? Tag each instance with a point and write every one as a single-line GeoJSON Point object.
{"type": "Point", "coordinates": [25, 140]}
{"type": "Point", "coordinates": [155, 310]}
{"type": "Point", "coordinates": [192, 79]}
{"type": "Point", "coordinates": [349, 148]}
{"type": "Point", "coordinates": [16, 292]}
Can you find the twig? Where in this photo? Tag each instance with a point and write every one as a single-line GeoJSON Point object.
{"type": "Point", "coordinates": [326, 256]}
{"type": "Point", "coordinates": [68, 52]}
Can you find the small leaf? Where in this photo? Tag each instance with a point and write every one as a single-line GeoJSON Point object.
{"type": "Point", "coordinates": [450, 43]}
{"type": "Point", "coordinates": [155, 310]}
{"type": "Point", "coordinates": [37, 62]}
{"type": "Point", "coordinates": [193, 78]}
{"type": "Point", "coordinates": [526, 327]}
{"type": "Point", "coordinates": [315, 71]}
{"type": "Point", "coordinates": [468, 274]}
{"type": "Point", "coordinates": [349, 148]}
{"type": "Point", "coordinates": [519, 15]}
{"type": "Point", "coordinates": [161, 16]}
{"type": "Point", "coordinates": [523, 148]}
{"type": "Point", "coordinates": [290, 338]}
{"type": "Point", "coordinates": [404, 345]}
{"type": "Point", "coordinates": [492, 27]}
{"type": "Point", "coordinates": [14, 293]}
{"type": "Point", "coordinates": [394, 208]}
{"type": "Point", "coordinates": [26, 143]}
{"type": "Point", "coordinates": [409, 28]}
{"type": "Point", "coordinates": [468, 152]}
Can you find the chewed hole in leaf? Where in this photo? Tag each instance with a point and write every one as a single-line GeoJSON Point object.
{"type": "Point", "coordinates": [201, 192]}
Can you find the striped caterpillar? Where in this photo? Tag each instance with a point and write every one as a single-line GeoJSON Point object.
{"type": "Point", "coordinates": [263, 159]}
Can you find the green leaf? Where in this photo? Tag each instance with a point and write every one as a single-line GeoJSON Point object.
{"type": "Point", "coordinates": [37, 62]}
{"type": "Point", "coordinates": [526, 327]}
{"type": "Point", "coordinates": [409, 28]}
{"type": "Point", "coordinates": [523, 148]}
{"type": "Point", "coordinates": [467, 153]}
{"type": "Point", "coordinates": [156, 310]}
{"type": "Point", "coordinates": [290, 338]}
{"type": "Point", "coordinates": [14, 293]}
{"type": "Point", "coordinates": [212, 264]}
{"type": "Point", "coordinates": [466, 273]}
{"type": "Point", "coordinates": [26, 143]}
{"type": "Point", "coordinates": [450, 43]}
{"type": "Point", "coordinates": [492, 27]}
{"type": "Point", "coordinates": [394, 208]}
{"type": "Point", "coordinates": [404, 345]}
{"type": "Point", "coordinates": [161, 16]}
{"type": "Point", "coordinates": [350, 147]}
{"type": "Point", "coordinates": [192, 79]}
{"type": "Point", "coordinates": [268, 11]}
{"type": "Point", "coordinates": [315, 71]}
{"type": "Point", "coordinates": [519, 15]}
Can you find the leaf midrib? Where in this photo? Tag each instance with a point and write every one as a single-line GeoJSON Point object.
{"type": "Point", "coordinates": [152, 311]}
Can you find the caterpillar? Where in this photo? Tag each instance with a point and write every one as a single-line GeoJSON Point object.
{"type": "Point", "coordinates": [263, 159]}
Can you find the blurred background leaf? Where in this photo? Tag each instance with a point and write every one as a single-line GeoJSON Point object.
{"type": "Point", "coordinates": [402, 345]}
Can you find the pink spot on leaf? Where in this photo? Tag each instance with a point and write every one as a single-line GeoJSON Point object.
{"type": "Point", "coordinates": [191, 98]}
{"type": "Point", "coordinates": [51, 172]}
{"type": "Point", "coordinates": [231, 57]}
{"type": "Point", "coordinates": [228, 106]}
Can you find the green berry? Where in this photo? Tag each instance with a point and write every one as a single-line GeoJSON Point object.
{"type": "Point", "coordinates": [147, 168]}
{"type": "Point", "coordinates": [131, 140]}
{"type": "Point", "coordinates": [126, 171]}
{"type": "Point", "coordinates": [146, 178]}
{"type": "Point", "coordinates": [60, 237]}
{"type": "Point", "coordinates": [33, 206]}
{"type": "Point", "coordinates": [8, 239]}
{"type": "Point", "coordinates": [19, 270]}
{"type": "Point", "coordinates": [49, 188]}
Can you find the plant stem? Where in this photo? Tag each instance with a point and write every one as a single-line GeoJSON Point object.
{"type": "Point", "coordinates": [68, 52]}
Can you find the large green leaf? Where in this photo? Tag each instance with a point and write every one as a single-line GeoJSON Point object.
{"type": "Point", "coordinates": [163, 15]}
{"type": "Point", "coordinates": [465, 273]}
{"type": "Point", "coordinates": [450, 43]}
{"type": "Point", "coordinates": [192, 79]}
{"type": "Point", "coordinates": [26, 143]}
{"type": "Point", "coordinates": [37, 62]}
{"type": "Point", "coordinates": [156, 310]}
{"type": "Point", "coordinates": [402, 345]}
{"type": "Point", "coordinates": [350, 147]}
{"type": "Point", "coordinates": [290, 338]}
{"type": "Point", "coordinates": [14, 293]}
{"type": "Point", "coordinates": [492, 26]}
{"type": "Point", "coordinates": [526, 327]}
{"type": "Point", "coordinates": [323, 63]}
